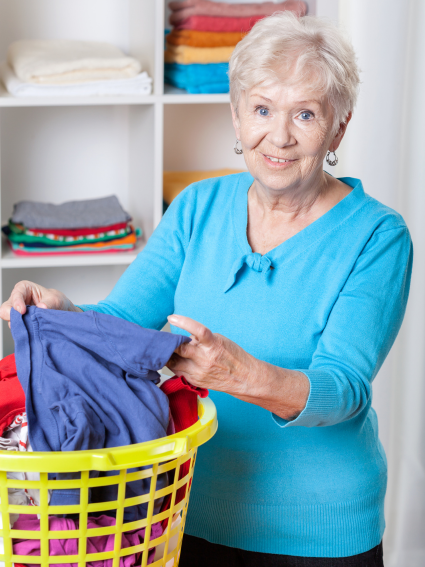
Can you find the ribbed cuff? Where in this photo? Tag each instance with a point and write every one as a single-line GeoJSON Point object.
{"type": "Point", "coordinates": [321, 405]}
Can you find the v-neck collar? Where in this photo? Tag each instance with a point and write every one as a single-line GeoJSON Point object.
{"type": "Point", "coordinates": [297, 243]}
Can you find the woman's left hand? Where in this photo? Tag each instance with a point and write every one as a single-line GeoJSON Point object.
{"type": "Point", "coordinates": [211, 360]}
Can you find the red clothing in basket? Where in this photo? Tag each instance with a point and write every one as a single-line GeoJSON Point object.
{"type": "Point", "coordinates": [12, 397]}
{"type": "Point", "coordinates": [183, 400]}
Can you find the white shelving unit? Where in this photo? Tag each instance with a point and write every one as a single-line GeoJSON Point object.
{"type": "Point", "coordinates": [57, 149]}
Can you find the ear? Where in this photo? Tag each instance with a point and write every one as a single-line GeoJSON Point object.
{"type": "Point", "coordinates": [340, 134]}
{"type": "Point", "coordinates": [236, 122]}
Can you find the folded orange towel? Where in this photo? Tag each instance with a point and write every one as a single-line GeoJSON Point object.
{"type": "Point", "coordinates": [176, 181]}
{"type": "Point", "coordinates": [185, 55]}
{"type": "Point", "coordinates": [195, 38]}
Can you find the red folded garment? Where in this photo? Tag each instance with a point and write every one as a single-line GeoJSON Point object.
{"type": "Point", "coordinates": [79, 231]}
{"type": "Point", "coordinates": [12, 397]}
{"type": "Point", "coordinates": [183, 400]}
{"type": "Point", "coordinates": [217, 24]}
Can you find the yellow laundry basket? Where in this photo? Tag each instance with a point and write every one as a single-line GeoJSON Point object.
{"type": "Point", "coordinates": [156, 457]}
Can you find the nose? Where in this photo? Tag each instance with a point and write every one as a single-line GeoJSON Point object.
{"type": "Point", "coordinates": [280, 134]}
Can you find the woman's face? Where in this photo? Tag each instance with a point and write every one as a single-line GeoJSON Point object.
{"type": "Point", "coordinates": [289, 123]}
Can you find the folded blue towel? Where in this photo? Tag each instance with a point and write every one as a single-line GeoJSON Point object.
{"type": "Point", "coordinates": [198, 77]}
{"type": "Point", "coordinates": [209, 89]}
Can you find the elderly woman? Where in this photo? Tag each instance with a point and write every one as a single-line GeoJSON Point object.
{"type": "Point", "coordinates": [293, 286]}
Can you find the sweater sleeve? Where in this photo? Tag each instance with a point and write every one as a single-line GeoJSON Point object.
{"type": "Point", "coordinates": [360, 332]}
{"type": "Point", "coordinates": [144, 294]}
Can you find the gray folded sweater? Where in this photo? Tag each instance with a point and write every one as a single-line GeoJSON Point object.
{"type": "Point", "coordinates": [89, 213]}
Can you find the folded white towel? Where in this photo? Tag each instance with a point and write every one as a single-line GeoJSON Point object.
{"type": "Point", "coordinates": [58, 62]}
{"type": "Point", "coordinates": [139, 85]}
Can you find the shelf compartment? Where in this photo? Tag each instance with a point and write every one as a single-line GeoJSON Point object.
{"type": "Point", "coordinates": [199, 137]}
{"type": "Point", "coordinates": [128, 24]}
{"type": "Point", "coordinates": [173, 95]}
{"type": "Point", "coordinates": [9, 101]}
{"type": "Point", "coordinates": [10, 260]}
{"type": "Point", "coordinates": [63, 154]}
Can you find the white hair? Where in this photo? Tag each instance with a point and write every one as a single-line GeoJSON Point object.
{"type": "Point", "coordinates": [317, 50]}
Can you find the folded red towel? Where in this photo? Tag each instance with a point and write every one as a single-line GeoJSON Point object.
{"type": "Point", "coordinates": [216, 24]}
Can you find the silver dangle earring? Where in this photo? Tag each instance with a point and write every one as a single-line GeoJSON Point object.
{"type": "Point", "coordinates": [331, 161]}
{"type": "Point", "coordinates": [237, 150]}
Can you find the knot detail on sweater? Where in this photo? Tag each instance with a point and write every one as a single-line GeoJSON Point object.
{"type": "Point", "coordinates": [254, 260]}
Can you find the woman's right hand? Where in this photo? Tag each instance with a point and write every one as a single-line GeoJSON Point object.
{"type": "Point", "coordinates": [28, 293]}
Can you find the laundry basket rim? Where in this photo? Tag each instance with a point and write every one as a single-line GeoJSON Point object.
{"type": "Point", "coordinates": [118, 458]}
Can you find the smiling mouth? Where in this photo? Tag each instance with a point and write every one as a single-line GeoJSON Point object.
{"type": "Point", "coordinates": [278, 160]}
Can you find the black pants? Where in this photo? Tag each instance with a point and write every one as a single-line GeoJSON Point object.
{"type": "Point", "coordinates": [197, 552]}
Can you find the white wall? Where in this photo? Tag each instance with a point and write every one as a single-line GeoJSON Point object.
{"type": "Point", "coordinates": [96, 20]}
{"type": "Point", "coordinates": [385, 147]}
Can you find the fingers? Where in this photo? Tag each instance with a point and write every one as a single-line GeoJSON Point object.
{"type": "Point", "coordinates": [5, 311]}
{"type": "Point", "coordinates": [18, 300]}
{"type": "Point", "coordinates": [28, 293]}
{"type": "Point", "coordinates": [201, 333]}
{"type": "Point", "coordinates": [24, 293]}
{"type": "Point", "coordinates": [187, 350]}
{"type": "Point", "coordinates": [180, 366]}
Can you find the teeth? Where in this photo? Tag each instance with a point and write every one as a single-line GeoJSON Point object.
{"type": "Point", "coordinates": [277, 160]}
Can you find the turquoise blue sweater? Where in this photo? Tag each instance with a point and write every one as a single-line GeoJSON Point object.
{"type": "Point", "coordinates": [331, 308]}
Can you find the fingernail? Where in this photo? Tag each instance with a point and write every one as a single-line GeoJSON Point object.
{"type": "Point", "coordinates": [173, 318]}
{"type": "Point", "coordinates": [18, 308]}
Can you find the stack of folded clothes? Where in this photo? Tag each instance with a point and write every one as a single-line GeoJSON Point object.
{"type": "Point", "coordinates": [75, 227]}
{"type": "Point", "coordinates": [203, 38]}
{"type": "Point", "coordinates": [71, 68]}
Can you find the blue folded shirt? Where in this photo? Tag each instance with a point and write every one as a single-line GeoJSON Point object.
{"type": "Point", "coordinates": [90, 382]}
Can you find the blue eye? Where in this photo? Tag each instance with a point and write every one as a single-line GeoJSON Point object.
{"type": "Point", "coordinates": [306, 116]}
{"type": "Point", "coordinates": [263, 111]}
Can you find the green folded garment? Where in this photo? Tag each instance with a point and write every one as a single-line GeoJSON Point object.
{"type": "Point", "coordinates": [20, 235]}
